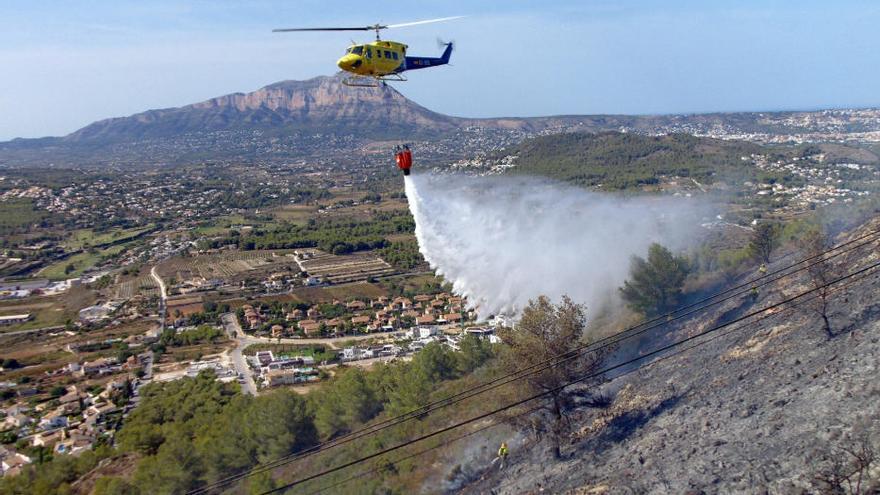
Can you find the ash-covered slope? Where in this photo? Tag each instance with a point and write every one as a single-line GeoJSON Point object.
{"type": "Point", "coordinates": [770, 408]}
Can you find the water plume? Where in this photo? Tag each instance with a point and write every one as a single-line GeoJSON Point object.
{"type": "Point", "coordinates": [502, 241]}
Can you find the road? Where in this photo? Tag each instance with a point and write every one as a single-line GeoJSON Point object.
{"type": "Point", "coordinates": [158, 279]}
{"type": "Point", "coordinates": [163, 293]}
{"type": "Point", "coordinates": [233, 329]}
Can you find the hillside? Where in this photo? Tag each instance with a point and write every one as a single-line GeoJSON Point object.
{"type": "Point", "coordinates": [618, 160]}
{"type": "Point", "coordinates": [772, 406]}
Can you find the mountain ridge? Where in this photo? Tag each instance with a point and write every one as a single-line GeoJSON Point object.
{"type": "Point", "coordinates": [320, 103]}
{"type": "Point", "coordinates": [320, 118]}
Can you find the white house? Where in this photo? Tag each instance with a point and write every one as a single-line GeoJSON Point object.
{"type": "Point", "coordinates": [425, 332]}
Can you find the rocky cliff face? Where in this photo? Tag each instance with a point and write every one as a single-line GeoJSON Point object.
{"type": "Point", "coordinates": [318, 104]}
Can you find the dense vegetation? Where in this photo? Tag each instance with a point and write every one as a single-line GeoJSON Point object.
{"type": "Point", "coordinates": [197, 430]}
{"type": "Point", "coordinates": [619, 161]}
{"type": "Point", "coordinates": [202, 334]}
{"type": "Point", "coordinates": [404, 255]}
{"type": "Point", "coordinates": [18, 215]}
{"type": "Point", "coordinates": [331, 235]}
{"type": "Point", "coordinates": [53, 474]}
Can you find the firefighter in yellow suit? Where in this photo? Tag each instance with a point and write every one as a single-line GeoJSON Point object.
{"type": "Point", "coordinates": [502, 454]}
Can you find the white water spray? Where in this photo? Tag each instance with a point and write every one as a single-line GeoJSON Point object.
{"type": "Point", "coordinates": [502, 241]}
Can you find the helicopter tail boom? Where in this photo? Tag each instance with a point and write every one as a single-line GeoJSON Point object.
{"type": "Point", "coordinates": [413, 63]}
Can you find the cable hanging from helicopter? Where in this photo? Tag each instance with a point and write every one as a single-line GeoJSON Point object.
{"type": "Point", "coordinates": [372, 64]}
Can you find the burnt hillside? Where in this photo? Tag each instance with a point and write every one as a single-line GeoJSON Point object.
{"type": "Point", "coordinates": [771, 407]}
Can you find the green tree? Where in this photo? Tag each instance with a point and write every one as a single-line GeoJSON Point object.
{"type": "Point", "coordinates": [544, 332]}
{"type": "Point", "coordinates": [278, 424]}
{"type": "Point", "coordinates": [436, 361]}
{"type": "Point", "coordinates": [408, 388]}
{"type": "Point", "coordinates": [764, 241]}
{"type": "Point", "coordinates": [175, 469]}
{"type": "Point", "coordinates": [344, 402]}
{"type": "Point", "coordinates": [111, 485]}
{"type": "Point", "coordinates": [261, 483]}
{"type": "Point", "coordinates": [473, 352]}
{"type": "Point", "coordinates": [141, 437]}
{"type": "Point", "coordinates": [655, 284]}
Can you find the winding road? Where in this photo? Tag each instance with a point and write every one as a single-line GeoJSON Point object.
{"type": "Point", "coordinates": [233, 329]}
{"type": "Point", "coordinates": [163, 293]}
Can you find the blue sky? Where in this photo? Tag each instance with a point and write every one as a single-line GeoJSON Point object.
{"type": "Point", "coordinates": [66, 64]}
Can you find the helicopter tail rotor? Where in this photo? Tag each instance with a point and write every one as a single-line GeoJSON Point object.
{"type": "Point", "coordinates": [441, 44]}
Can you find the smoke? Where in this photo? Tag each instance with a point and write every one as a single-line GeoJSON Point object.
{"type": "Point", "coordinates": [502, 241]}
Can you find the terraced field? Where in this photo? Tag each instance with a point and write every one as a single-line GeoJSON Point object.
{"type": "Point", "coordinates": [342, 269]}
{"type": "Point", "coordinates": [220, 266]}
{"type": "Point", "coordinates": [142, 285]}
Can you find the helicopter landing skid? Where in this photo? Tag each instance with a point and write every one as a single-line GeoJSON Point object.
{"type": "Point", "coordinates": [361, 82]}
{"type": "Point", "coordinates": [392, 77]}
{"type": "Point", "coordinates": [371, 81]}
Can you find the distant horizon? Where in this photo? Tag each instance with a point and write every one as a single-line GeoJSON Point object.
{"type": "Point", "coordinates": [69, 64]}
{"type": "Point", "coordinates": [397, 88]}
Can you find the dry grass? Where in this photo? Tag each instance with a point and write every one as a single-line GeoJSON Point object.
{"type": "Point", "coordinates": [49, 311]}
{"type": "Point", "coordinates": [298, 214]}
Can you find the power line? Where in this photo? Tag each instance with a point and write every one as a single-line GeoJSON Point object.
{"type": "Point", "coordinates": [424, 451]}
{"type": "Point", "coordinates": [500, 381]}
{"type": "Point", "coordinates": [563, 386]}
{"type": "Point", "coordinates": [534, 409]}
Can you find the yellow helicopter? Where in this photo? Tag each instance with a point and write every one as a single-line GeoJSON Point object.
{"type": "Point", "coordinates": [380, 61]}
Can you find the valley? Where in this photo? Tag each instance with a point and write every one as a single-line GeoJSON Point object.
{"type": "Point", "coordinates": [251, 264]}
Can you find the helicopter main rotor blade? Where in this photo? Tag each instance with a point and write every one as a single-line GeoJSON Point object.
{"type": "Point", "coordinates": [375, 27]}
{"type": "Point", "coordinates": [416, 23]}
{"type": "Point", "coordinates": [287, 30]}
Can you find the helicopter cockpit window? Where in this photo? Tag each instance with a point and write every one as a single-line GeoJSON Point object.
{"type": "Point", "coordinates": [387, 54]}
{"type": "Point", "coordinates": [394, 55]}
{"type": "Point", "coordinates": [369, 53]}
{"type": "Point", "coordinates": [357, 50]}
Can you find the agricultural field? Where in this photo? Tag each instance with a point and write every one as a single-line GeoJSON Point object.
{"type": "Point", "coordinates": [336, 269]}
{"type": "Point", "coordinates": [192, 352]}
{"type": "Point", "coordinates": [221, 266]}
{"type": "Point", "coordinates": [48, 311]}
{"type": "Point", "coordinates": [144, 284]}
{"type": "Point", "coordinates": [222, 225]}
{"type": "Point", "coordinates": [317, 295]}
{"type": "Point", "coordinates": [80, 262]}
{"type": "Point", "coordinates": [84, 238]}
{"type": "Point", "coordinates": [184, 307]}
{"type": "Point", "coordinates": [19, 214]}
{"type": "Point", "coordinates": [347, 292]}
{"type": "Point", "coordinates": [298, 214]}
